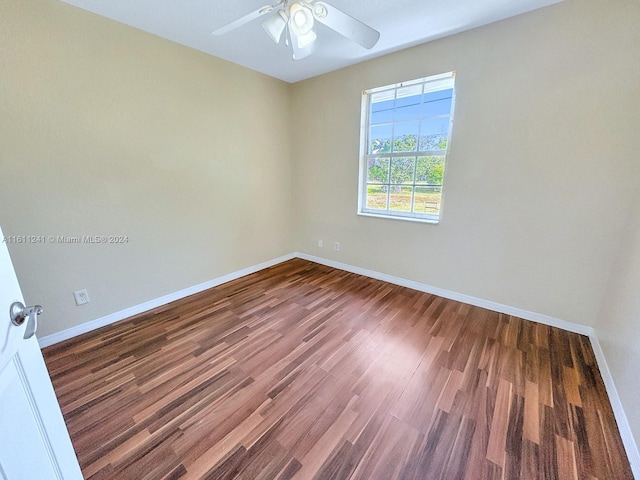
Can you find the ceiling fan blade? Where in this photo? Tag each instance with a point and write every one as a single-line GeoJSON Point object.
{"type": "Point", "coordinates": [345, 25]}
{"type": "Point", "coordinates": [246, 19]}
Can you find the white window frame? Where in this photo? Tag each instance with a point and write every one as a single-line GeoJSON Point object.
{"type": "Point", "coordinates": [432, 83]}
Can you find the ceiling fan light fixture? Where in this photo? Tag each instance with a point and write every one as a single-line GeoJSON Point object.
{"type": "Point", "coordinates": [319, 10]}
{"type": "Point", "coordinates": [306, 40]}
{"type": "Point", "coordinates": [301, 28]}
{"type": "Point", "coordinates": [274, 26]}
{"type": "Point", "coordinates": [300, 19]}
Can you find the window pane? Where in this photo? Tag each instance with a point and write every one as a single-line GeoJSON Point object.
{"type": "Point", "coordinates": [409, 103]}
{"type": "Point", "coordinates": [383, 96]}
{"type": "Point", "coordinates": [434, 133]}
{"type": "Point", "coordinates": [377, 197]}
{"type": "Point", "coordinates": [437, 103]}
{"type": "Point", "coordinates": [427, 200]}
{"type": "Point", "coordinates": [385, 116]}
{"type": "Point", "coordinates": [378, 170]}
{"type": "Point", "coordinates": [430, 170]}
{"type": "Point", "coordinates": [382, 107]}
{"type": "Point", "coordinates": [402, 169]}
{"type": "Point", "coordinates": [400, 198]}
{"type": "Point", "coordinates": [380, 139]}
{"type": "Point", "coordinates": [381, 114]}
{"type": "Point", "coordinates": [410, 91]}
{"type": "Point", "coordinates": [406, 137]}
{"type": "Point", "coordinates": [438, 95]}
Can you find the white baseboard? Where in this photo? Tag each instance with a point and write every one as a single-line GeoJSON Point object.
{"type": "Point", "coordinates": [422, 287]}
{"type": "Point", "coordinates": [623, 425]}
{"type": "Point", "coordinates": [460, 297]}
{"type": "Point", "coordinates": [157, 302]}
{"type": "Point", "coordinates": [621, 418]}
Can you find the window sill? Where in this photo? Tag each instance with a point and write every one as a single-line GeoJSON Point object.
{"type": "Point", "coordinates": [399, 217]}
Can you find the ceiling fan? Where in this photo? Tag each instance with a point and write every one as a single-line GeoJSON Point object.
{"type": "Point", "coordinates": [297, 17]}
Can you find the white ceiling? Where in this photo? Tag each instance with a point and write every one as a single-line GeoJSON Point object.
{"type": "Point", "coordinates": [402, 23]}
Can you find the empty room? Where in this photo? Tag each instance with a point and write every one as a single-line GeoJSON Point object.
{"type": "Point", "coordinates": [337, 239]}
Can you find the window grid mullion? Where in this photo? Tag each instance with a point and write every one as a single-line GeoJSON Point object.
{"type": "Point", "coordinates": [392, 149]}
{"type": "Point", "coordinates": [423, 153]}
{"type": "Point", "coordinates": [387, 186]}
{"type": "Point", "coordinates": [415, 161]}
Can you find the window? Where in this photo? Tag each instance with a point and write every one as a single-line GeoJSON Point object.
{"type": "Point", "coordinates": [405, 136]}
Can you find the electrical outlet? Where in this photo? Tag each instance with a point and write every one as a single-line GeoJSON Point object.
{"type": "Point", "coordinates": [336, 246]}
{"type": "Point", "coordinates": [320, 243]}
{"type": "Point", "coordinates": [81, 296]}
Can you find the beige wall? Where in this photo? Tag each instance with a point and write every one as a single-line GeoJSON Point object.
{"type": "Point", "coordinates": [618, 327]}
{"type": "Point", "coordinates": [108, 130]}
{"type": "Point", "coordinates": [543, 160]}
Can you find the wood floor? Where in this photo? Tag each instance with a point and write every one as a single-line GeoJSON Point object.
{"type": "Point", "coordinates": [303, 371]}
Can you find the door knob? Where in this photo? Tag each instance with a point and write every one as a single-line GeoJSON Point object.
{"type": "Point", "coordinates": [19, 313]}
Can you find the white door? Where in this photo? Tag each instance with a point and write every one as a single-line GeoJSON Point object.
{"type": "Point", "coordinates": [34, 442]}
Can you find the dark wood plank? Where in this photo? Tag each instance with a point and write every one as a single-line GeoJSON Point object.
{"type": "Point", "coordinates": [304, 371]}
